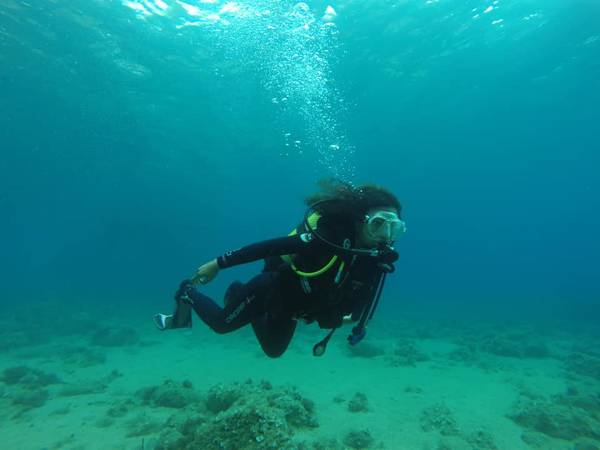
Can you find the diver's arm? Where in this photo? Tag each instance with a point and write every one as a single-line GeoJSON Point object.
{"type": "Point", "coordinates": [272, 247]}
{"type": "Point", "coordinates": [298, 243]}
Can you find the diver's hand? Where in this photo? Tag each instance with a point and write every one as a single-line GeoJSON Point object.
{"type": "Point", "coordinates": [389, 256]}
{"type": "Point", "coordinates": [206, 272]}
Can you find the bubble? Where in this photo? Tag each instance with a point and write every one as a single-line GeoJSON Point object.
{"type": "Point", "coordinates": [329, 15]}
{"type": "Point", "coordinates": [301, 7]}
{"type": "Point", "coordinates": [290, 50]}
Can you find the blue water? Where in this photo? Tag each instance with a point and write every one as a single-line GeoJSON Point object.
{"type": "Point", "coordinates": [140, 139]}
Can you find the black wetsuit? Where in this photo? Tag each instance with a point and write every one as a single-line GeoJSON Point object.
{"type": "Point", "coordinates": [274, 300]}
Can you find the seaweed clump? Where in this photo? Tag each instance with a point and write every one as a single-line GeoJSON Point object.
{"type": "Point", "coordinates": [359, 439]}
{"type": "Point", "coordinates": [240, 417]}
{"type": "Point", "coordinates": [80, 356]}
{"type": "Point", "coordinates": [481, 440]}
{"type": "Point", "coordinates": [584, 363]}
{"type": "Point", "coordinates": [559, 419]}
{"type": "Point", "coordinates": [358, 403]}
{"type": "Point", "coordinates": [573, 416]}
{"type": "Point", "coordinates": [406, 354]}
{"type": "Point", "coordinates": [168, 395]}
{"type": "Point", "coordinates": [28, 377]}
{"type": "Point", "coordinates": [439, 418]}
{"type": "Point", "coordinates": [28, 386]}
{"type": "Point", "coordinates": [516, 345]}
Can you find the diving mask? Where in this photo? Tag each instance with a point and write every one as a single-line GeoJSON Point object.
{"type": "Point", "coordinates": [384, 225]}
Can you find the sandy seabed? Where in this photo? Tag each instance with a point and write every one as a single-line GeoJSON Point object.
{"type": "Point", "coordinates": [83, 383]}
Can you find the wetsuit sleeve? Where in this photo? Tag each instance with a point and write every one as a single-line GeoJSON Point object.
{"type": "Point", "coordinates": [265, 249]}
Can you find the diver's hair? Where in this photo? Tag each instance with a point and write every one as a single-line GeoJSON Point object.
{"type": "Point", "coordinates": [341, 199]}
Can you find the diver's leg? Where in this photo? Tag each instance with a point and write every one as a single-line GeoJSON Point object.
{"type": "Point", "coordinates": [232, 293]}
{"type": "Point", "coordinates": [275, 328]}
{"type": "Point", "coordinates": [274, 334]}
{"type": "Point", "coordinates": [244, 303]}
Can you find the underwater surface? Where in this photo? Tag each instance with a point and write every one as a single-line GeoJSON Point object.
{"type": "Point", "coordinates": [142, 138]}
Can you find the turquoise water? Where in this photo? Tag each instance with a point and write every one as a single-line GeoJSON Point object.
{"type": "Point", "coordinates": [141, 138]}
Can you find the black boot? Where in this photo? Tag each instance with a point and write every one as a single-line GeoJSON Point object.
{"type": "Point", "coordinates": [183, 294]}
{"type": "Point", "coordinates": [182, 316]}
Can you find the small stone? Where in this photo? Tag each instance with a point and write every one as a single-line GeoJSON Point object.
{"type": "Point", "coordinates": [359, 439]}
{"type": "Point", "coordinates": [359, 403]}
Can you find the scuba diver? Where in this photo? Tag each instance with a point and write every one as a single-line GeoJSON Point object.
{"type": "Point", "coordinates": [330, 269]}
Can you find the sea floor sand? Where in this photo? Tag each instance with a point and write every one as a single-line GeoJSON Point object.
{"type": "Point", "coordinates": [410, 385]}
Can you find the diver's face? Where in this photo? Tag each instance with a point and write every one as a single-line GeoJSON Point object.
{"type": "Point", "coordinates": [365, 237]}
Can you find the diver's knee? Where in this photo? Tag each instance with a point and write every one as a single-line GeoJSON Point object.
{"type": "Point", "coordinates": [274, 352]}
{"type": "Point", "coordinates": [221, 327]}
